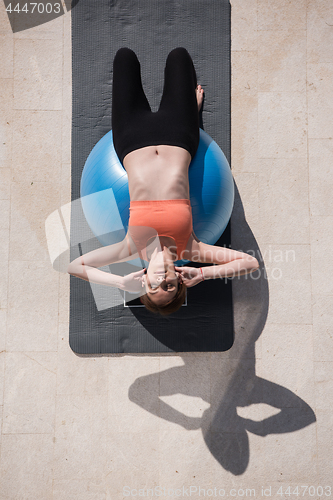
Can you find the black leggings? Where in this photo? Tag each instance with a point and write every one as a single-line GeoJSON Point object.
{"type": "Point", "coordinates": [176, 123]}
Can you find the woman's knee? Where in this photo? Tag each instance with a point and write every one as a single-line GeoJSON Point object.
{"type": "Point", "coordinates": [179, 54]}
{"type": "Point", "coordinates": [179, 61]}
{"type": "Point", "coordinates": [125, 55]}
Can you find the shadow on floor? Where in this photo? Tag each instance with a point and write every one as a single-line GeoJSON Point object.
{"type": "Point", "coordinates": [234, 382]}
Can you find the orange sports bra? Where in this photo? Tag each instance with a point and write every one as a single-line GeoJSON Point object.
{"type": "Point", "coordinates": [150, 218]}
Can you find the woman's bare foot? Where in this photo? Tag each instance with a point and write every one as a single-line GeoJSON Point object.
{"type": "Point", "coordinates": [200, 94]}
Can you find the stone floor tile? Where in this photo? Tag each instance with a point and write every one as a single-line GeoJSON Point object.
{"type": "Point", "coordinates": [250, 292]}
{"type": "Point", "coordinates": [66, 127]}
{"type": "Point", "coordinates": [84, 489]}
{"type": "Point", "coordinates": [134, 481]}
{"type": "Point", "coordinates": [31, 203]}
{"type": "Point", "coordinates": [321, 242]}
{"type": "Point", "coordinates": [65, 193]}
{"type": "Point", "coordinates": [282, 125]}
{"type": "Point", "coordinates": [295, 458]}
{"type": "Point", "coordinates": [133, 397]}
{"type": "Point", "coordinates": [288, 272]}
{"type": "Point", "coordinates": [248, 186]}
{"type": "Point", "coordinates": [322, 327]}
{"type": "Point", "coordinates": [2, 376]}
{"type": "Point", "coordinates": [282, 61]}
{"type": "Point", "coordinates": [5, 184]}
{"type": "Point", "coordinates": [3, 329]}
{"type": "Point", "coordinates": [4, 213]}
{"type": "Point", "coordinates": [244, 346]}
{"type": "Point", "coordinates": [50, 30]}
{"type": "Point", "coordinates": [243, 25]}
{"type": "Point", "coordinates": [186, 459]}
{"type": "Point", "coordinates": [236, 383]}
{"type": "Point", "coordinates": [323, 380]}
{"type": "Point", "coordinates": [67, 95]}
{"type": "Point", "coordinates": [281, 341]}
{"type": "Point", "coordinates": [63, 336]}
{"type": "Point", "coordinates": [79, 375]}
{"type": "Point", "coordinates": [281, 15]}
{"type": "Point", "coordinates": [321, 176]}
{"type": "Point", "coordinates": [67, 33]}
{"type": "Point", "coordinates": [82, 447]}
{"type": "Point", "coordinates": [319, 32]}
{"type": "Point", "coordinates": [325, 437]}
{"type": "Point", "coordinates": [242, 457]}
{"type": "Point", "coordinates": [32, 323]}
{"type": "Point", "coordinates": [7, 58]}
{"type": "Point", "coordinates": [4, 246]}
{"type": "Point", "coordinates": [284, 489]}
{"type": "Point", "coordinates": [320, 148]}
{"type": "Point", "coordinates": [244, 140]}
{"type": "Point", "coordinates": [325, 450]}
{"type": "Point", "coordinates": [284, 202]}
{"type": "Point", "coordinates": [192, 376]}
{"type": "Point", "coordinates": [30, 393]}
{"type": "Point", "coordinates": [4, 284]}
{"type": "Point", "coordinates": [64, 298]}
{"type": "Point", "coordinates": [245, 486]}
{"type": "Point", "coordinates": [6, 94]}
{"type": "Point", "coordinates": [5, 27]}
{"type": "Point", "coordinates": [143, 459]}
{"type": "Point", "coordinates": [183, 409]}
{"type": "Point", "coordinates": [237, 397]}
{"type": "Point", "coordinates": [26, 466]}
{"type": "Point", "coordinates": [292, 378]}
{"type": "Point", "coordinates": [320, 100]}
{"type": "Point", "coordinates": [6, 132]}
{"type": "Point", "coordinates": [37, 146]}
{"type": "Point", "coordinates": [37, 76]}
{"type": "Point", "coordinates": [184, 390]}
{"type": "Point", "coordinates": [245, 72]}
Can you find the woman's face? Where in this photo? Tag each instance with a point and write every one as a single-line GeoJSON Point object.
{"type": "Point", "coordinates": [161, 279]}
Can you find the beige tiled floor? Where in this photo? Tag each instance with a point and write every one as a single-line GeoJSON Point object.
{"type": "Point", "coordinates": [83, 428]}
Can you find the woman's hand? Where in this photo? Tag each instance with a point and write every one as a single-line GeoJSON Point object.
{"type": "Point", "coordinates": [133, 282]}
{"type": "Point", "coordinates": [191, 276]}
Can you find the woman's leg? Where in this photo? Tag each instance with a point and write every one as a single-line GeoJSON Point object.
{"type": "Point", "coordinates": [179, 102]}
{"type": "Point", "coordinates": [128, 97]}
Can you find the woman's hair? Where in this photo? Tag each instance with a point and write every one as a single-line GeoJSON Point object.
{"type": "Point", "coordinates": [168, 308]}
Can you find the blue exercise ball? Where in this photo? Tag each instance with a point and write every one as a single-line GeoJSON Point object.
{"type": "Point", "coordinates": [105, 196]}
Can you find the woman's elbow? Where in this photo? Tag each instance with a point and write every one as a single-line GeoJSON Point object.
{"type": "Point", "coordinates": [253, 264]}
{"type": "Point", "coordinates": [73, 268]}
{"type": "Point", "coordinates": [70, 268]}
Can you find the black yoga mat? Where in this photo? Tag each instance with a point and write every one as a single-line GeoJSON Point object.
{"type": "Point", "coordinates": [99, 323]}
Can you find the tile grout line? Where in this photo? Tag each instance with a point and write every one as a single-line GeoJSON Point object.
{"type": "Point", "coordinates": [9, 232]}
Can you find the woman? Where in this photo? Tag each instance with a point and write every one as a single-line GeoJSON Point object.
{"type": "Point", "coordinates": [156, 150]}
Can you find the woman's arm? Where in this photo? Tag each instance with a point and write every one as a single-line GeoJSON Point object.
{"type": "Point", "coordinates": [86, 266]}
{"type": "Point", "coordinates": [228, 263]}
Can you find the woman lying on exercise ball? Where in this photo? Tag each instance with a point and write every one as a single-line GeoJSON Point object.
{"type": "Point", "coordinates": [156, 150]}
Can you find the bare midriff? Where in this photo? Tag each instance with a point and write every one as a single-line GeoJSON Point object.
{"type": "Point", "coordinates": [158, 173]}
